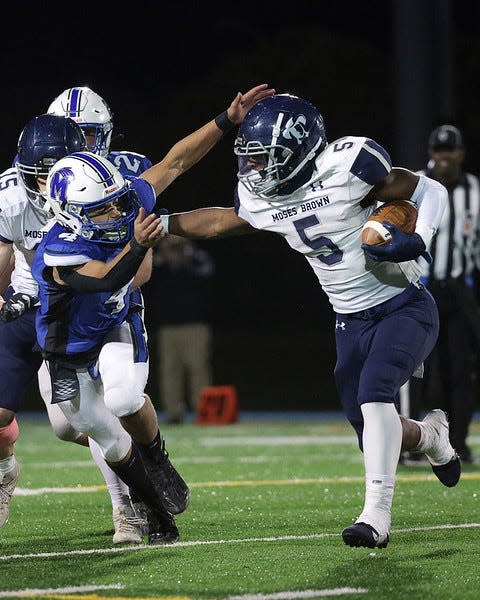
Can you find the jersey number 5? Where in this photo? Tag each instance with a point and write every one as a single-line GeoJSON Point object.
{"type": "Point", "coordinates": [332, 255]}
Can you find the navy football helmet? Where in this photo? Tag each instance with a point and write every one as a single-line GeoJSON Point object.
{"type": "Point", "coordinates": [276, 143]}
{"type": "Point", "coordinates": [43, 141]}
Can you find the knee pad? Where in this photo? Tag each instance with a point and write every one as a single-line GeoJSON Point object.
{"type": "Point", "coordinates": [123, 380]}
{"type": "Point", "coordinates": [9, 434]}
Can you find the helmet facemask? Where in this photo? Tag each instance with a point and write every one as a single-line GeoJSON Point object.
{"type": "Point", "coordinates": [112, 230]}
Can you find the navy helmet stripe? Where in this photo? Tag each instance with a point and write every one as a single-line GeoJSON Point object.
{"type": "Point", "coordinates": [74, 102]}
{"type": "Point", "coordinates": [100, 168]}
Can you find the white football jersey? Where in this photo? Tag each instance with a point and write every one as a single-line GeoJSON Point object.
{"type": "Point", "coordinates": [323, 220]}
{"type": "Point", "coordinates": [22, 225]}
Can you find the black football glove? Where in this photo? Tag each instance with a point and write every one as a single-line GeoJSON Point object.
{"type": "Point", "coordinates": [16, 306]}
{"type": "Point", "coordinates": [403, 247]}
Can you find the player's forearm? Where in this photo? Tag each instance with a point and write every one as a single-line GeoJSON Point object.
{"type": "Point", "coordinates": [212, 222]}
{"type": "Point", "coordinates": [7, 264]}
{"type": "Point", "coordinates": [182, 156]}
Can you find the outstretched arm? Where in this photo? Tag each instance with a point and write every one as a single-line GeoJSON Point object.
{"type": "Point", "coordinates": [211, 222]}
{"type": "Point", "coordinates": [188, 151]}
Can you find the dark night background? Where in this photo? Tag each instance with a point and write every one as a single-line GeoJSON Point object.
{"type": "Point", "coordinates": [390, 70]}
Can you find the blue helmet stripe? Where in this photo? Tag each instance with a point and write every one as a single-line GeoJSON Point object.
{"type": "Point", "coordinates": [74, 102]}
{"type": "Point", "coordinates": [100, 168]}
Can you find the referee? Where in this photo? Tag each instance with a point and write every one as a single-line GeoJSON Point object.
{"type": "Point", "coordinates": [450, 280]}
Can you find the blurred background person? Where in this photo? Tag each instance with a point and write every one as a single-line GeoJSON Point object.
{"type": "Point", "coordinates": [179, 296]}
{"type": "Point", "coordinates": [455, 250]}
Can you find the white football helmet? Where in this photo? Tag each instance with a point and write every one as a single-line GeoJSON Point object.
{"type": "Point", "coordinates": [91, 112]}
{"type": "Point", "coordinates": [89, 196]}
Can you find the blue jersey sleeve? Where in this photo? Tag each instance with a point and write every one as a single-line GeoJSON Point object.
{"type": "Point", "coordinates": [145, 192]}
{"type": "Point", "coordinates": [62, 248]}
{"type": "Point", "coordinates": [372, 164]}
{"type": "Point", "coordinates": [130, 164]}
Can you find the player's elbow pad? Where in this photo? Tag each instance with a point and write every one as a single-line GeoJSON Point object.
{"type": "Point", "coordinates": [116, 278]}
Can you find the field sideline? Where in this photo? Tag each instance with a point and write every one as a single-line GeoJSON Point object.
{"type": "Point", "coordinates": [269, 499]}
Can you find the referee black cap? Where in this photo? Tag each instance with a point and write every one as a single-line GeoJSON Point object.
{"type": "Point", "coordinates": [445, 136]}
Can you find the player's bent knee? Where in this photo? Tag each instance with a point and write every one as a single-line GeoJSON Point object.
{"type": "Point", "coordinates": [123, 404]}
{"type": "Point", "coordinates": [9, 433]}
{"type": "Point", "coordinates": [65, 432]}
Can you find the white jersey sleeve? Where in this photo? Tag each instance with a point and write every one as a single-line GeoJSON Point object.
{"type": "Point", "coordinates": [22, 225]}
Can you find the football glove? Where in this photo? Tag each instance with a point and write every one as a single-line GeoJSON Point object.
{"type": "Point", "coordinates": [16, 306]}
{"type": "Point", "coordinates": [403, 247]}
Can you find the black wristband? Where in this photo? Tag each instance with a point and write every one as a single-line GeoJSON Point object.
{"type": "Point", "coordinates": [137, 249]}
{"type": "Point", "coordinates": [223, 122]}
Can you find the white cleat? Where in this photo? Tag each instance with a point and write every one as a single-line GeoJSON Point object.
{"type": "Point", "coordinates": [442, 457]}
{"type": "Point", "coordinates": [127, 527]}
{"type": "Point", "coordinates": [8, 482]}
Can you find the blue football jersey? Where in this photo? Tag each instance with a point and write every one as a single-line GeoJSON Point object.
{"type": "Point", "coordinates": [130, 164]}
{"type": "Point", "coordinates": [69, 322]}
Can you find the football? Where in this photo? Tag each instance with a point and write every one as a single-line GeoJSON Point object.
{"type": "Point", "coordinates": [398, 212]}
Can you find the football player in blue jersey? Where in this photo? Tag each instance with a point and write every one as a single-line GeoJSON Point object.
{"type": "Point", "coordinates": [94, 116]}
{"type": "Point", "coordinates": [22, 218]}
{"type": "Point", "coordinates": [318, 196]}
{"type": "Point", "coordinates": [85, 270]}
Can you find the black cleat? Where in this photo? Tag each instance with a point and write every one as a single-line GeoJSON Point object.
{"type": "Point", "coordinates": [158, 525]}
{"type": "Point", "coordinates": [449, 474]}
{"type": "Point", "coordinates": [361, 534]}
{"type": "Point", "coordinates": [161, 528]}
{"type": "Point", "coordinates": [172, 490]}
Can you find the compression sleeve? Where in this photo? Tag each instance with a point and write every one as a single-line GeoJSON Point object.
{"type": "Point", "coordinates": [430, 197]}
{"type": "Point", "coordinates": [115, 279]}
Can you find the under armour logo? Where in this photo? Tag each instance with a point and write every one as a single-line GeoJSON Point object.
{"type": "Point", "coordinates": [59, 183]}
{"type": "Point", "coordinates": [340, 325]}
{"type": "Point", "coordinates": [296, 129]}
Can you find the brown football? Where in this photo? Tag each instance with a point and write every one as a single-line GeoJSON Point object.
{"type": "Point", "coordinates": [399, 212]}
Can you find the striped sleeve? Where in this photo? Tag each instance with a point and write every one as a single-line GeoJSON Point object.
{"type": "Point", "coordinates": [372, 164]}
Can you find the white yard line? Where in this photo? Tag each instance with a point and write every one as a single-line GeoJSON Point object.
{"type": "Point", "coordinates": [239, 483]}
{"type": "Point", "coordinates": [195, 543]}
{"type": "Point", "coordinates": [304, 594]}
{"type": "Point", "coordinates": [28, 593]}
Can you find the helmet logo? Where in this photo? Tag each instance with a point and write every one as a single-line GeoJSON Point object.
{"type": "Point", "coordinates": [296, 129]}
{"type": "Point", "coordinates": [59, 183]}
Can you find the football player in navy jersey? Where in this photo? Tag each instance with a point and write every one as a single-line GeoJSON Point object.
{"type": "Point", "coordinates": [318, 196]}
{"type": "Point", "coordinates": [85, 269]}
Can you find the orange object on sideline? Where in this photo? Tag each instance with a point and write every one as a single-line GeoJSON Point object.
{"type": "Point", "coordinates": [217, 405]}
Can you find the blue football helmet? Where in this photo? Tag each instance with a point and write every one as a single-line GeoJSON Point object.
{"type": "Point", "coordinates": [276, 143]}
{"type": "Point", "coordinates": [89, 196]}
{"type": "Point", "coordinates": [43, 141]}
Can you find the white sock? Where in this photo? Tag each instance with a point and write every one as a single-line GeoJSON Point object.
{"type": "Point", "coordinates": [382, 440]}
{"type": "Point", "coordinates": [117, 489]}
{"type": "Point", "coordinates": [7, 464]}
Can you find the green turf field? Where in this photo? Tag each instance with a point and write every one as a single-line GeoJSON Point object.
{"type": "Point", "coordinates": [268, 503]}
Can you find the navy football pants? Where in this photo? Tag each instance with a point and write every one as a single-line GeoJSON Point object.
{"type": "Point", "coordinates": [378, 349]}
